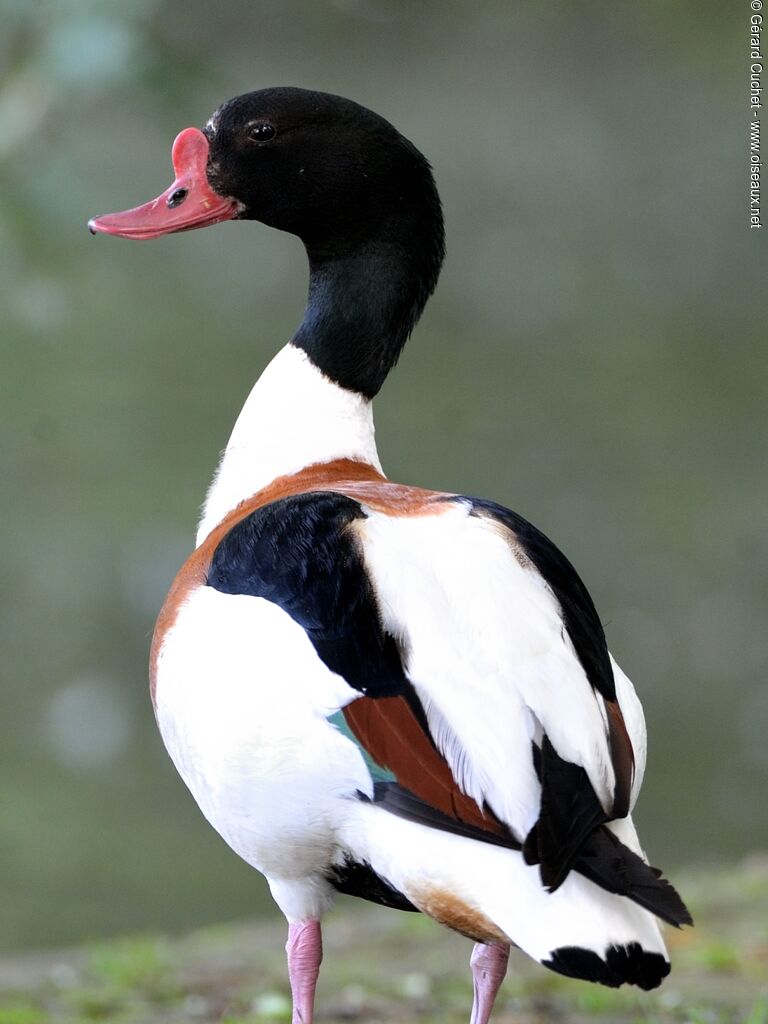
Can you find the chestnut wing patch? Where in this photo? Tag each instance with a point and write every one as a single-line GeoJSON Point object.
{"type": "Point", "coordinates": [398, 741]}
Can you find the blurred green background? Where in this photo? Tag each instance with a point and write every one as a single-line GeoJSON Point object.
{"type": "Point", "coordinates": [594, 358]}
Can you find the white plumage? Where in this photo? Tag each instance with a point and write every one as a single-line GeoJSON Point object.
{"type": "Point", "coordinates": [466, 652]}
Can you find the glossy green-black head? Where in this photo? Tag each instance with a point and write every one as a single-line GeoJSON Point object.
{"type": "Point", "coordinates": [359, 195]}
{"type": "Point", "coordinates": [317, 165]}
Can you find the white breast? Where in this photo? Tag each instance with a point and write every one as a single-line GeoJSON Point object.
{"type": "Point", "coordinates": [242, 700]}
{"type": "Point", "coordinates": [294, 417]}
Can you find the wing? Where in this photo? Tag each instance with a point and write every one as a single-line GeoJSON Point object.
{"type": "Point", "coordinates": [305, 554]}
{"type": "Point", "coordinates": [485, 686]}
{"type": "Point", "coordinates": [506, 655]}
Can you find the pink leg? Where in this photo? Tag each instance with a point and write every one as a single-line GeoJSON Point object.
{"type": "Point", "coordinates": [489, 965]}
{"type": "Point", "coordinates": [305, 952]}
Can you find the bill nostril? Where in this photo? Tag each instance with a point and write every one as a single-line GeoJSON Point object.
{"type": "Point", "coordinates": [177, 198]}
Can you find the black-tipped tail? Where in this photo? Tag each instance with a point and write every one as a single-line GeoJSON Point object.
{"type": "Point", "coordinates": [620, 965]}
{"type": "Point", "coordinates": [607, 862]}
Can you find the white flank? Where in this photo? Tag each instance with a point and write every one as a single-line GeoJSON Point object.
{"type": "Point", "coordinates": [489, 657]}
{"type": "Point", "coordinates": [294, 417]}
{"type": "Point", "coordinates": [241, 705]}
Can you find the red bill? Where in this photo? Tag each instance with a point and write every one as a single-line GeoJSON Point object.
{"type": "Point", "coordinates": [188, 203]}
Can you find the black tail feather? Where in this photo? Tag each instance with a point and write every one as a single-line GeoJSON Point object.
{"type": "Point", "coordinates": [571, 835]}
{"type": "Point", "coordinates": [606, 861]}
{"type": "Point", "coordinates": [601, 856]}
{"type": "Point", "coordinates": [620, 965]}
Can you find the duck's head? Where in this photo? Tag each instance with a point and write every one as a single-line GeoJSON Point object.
{"type": "Point", "coordinates": [319, 166]}
{"type": "Point", "coordinates": [359, 195]}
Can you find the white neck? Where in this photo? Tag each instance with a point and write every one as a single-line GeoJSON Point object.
{"type": "Point", "coordinates": [293, 417]}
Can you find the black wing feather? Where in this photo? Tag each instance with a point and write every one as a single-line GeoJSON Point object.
{"type": "Point", "coordinates": [301, 554]}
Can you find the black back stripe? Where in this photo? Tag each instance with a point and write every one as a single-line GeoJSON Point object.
{"type": "Point", "coordinates": [301, 554]}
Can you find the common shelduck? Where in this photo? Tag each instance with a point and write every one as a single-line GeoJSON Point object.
{"type": "Point", "coordinates": [369, 687]}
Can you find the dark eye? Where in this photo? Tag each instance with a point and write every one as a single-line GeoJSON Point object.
{"type": "Point", "coordinates": [261, 132]}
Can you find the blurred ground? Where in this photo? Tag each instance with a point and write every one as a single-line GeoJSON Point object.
{"type": "Point", "coordinates": [392, 968]}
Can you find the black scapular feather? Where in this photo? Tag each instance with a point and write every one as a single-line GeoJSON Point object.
{"type": "Point", "coordinates": [301, 554]}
